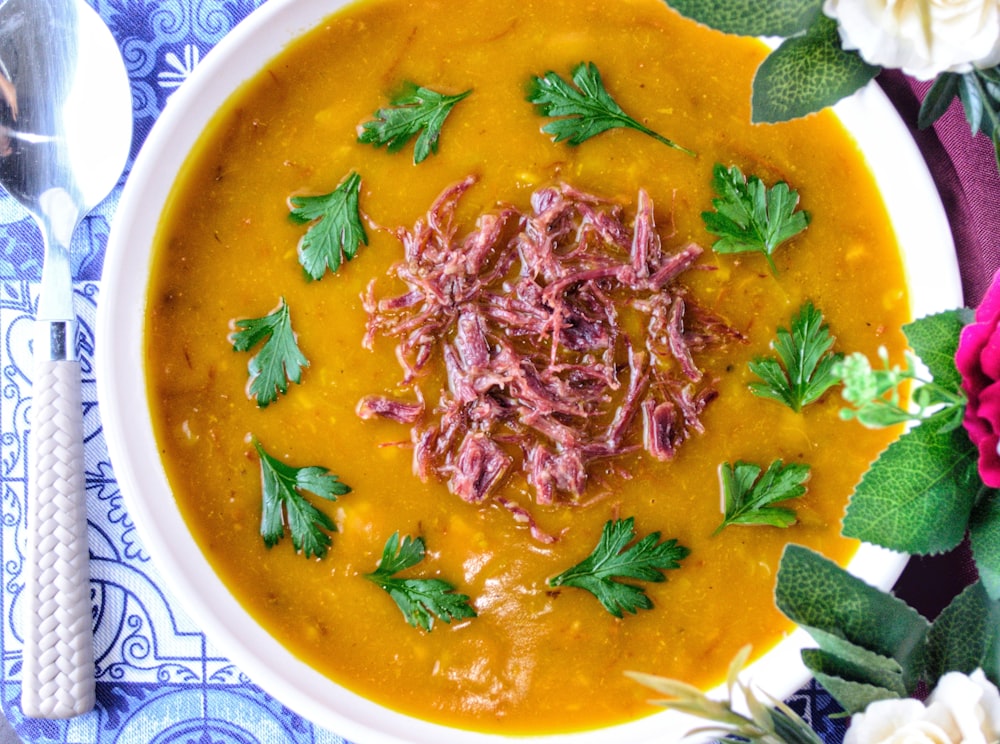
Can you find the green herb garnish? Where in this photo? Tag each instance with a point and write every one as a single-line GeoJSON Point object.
{"type": "Point", "coordinates": [586, 110]}
{"type": "Point", "coordinates": [284, 505]}
{"type": "Point", "coordinates": [645, 560]}
{"type": "Point", "coordinates": [420, 600]}
{"type": "Point", "coordinates": [335, 229]}
{"type": "Point", "coordinates": [416, 112]}
{"type": "Point", "coordinates": [750, 217]}
{"type": "Point", "coordinates": [279, 359]}
{"type": "Point", "coordinates": [749, 497]}
{"type": "Point", "coordinates": [805, 367]}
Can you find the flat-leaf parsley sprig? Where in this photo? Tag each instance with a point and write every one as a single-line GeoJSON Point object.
{"type": "Point", "coordinates": [335, 232]}
{"type": "Point", "coordinates": [279, 360]}
{"type": "Point", "coordinates": [805, 367]}
{"type": "Point", "coordinates": [419, 599]}
{"type": "Point", "coordinates": [749, 497]}
{"type": "Point", "coordinates": [416, 112]}
{"type": "Point", "coordinates": [614, 559]}
{"type": "Point", "coordinates": [585, 110]}
{"type": "Point", "coordinates": [749, 216]}
{"type": "Point", "coordinates": [284, 506]}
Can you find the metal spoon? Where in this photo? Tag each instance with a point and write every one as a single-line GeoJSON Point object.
{"type": "Point", "coordinates": [65, 134]}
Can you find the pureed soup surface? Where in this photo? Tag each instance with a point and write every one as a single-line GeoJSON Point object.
{"type": "Point", "coordinates": [535, 659]}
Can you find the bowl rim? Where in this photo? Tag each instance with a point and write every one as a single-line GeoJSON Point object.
{"type": "Point", "coordinates": [932, 274]}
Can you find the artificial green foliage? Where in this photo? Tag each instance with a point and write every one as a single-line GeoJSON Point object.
{"type": "Point", "coordinates": [917, 497]}
{"type": "Point", "coordinates": [984, 538]}
{"type": "Point", "coordinates": [284, 506]}
{"type": "Point", "coordinates": [979, 92]}
{"type": "Point", "coordinates": [806, 74]}
{"type": "Point", "coordinates": [619, 556]}
{"type": "Point", "coordinates": [844, 613]}
{"type": "Point", "coordinates": [419, 599]}
{"type": "Point", "coordinates": [766, 721]}
{"type": "Point", "coordinates": [934, 338]}
{"type": "Point", "coordinates": [965, 636]}
{"type": "Point", "coordinates": [278, 361]}
{"type": "Point", "coordinates": [751, 17]}
{"type": "Point", "coordinates": [335, 232]}
{"type": "Point", "coordinates": [583, 109]}
{"type": "Point", "coordinates": [416, 112]}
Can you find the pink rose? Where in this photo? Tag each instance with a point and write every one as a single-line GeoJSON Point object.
{"type": "Point", "coordinates": [978, 359]}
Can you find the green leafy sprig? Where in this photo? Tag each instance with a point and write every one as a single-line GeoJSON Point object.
{"type": "Point", "coordinates": [805, 367]}
{"type": "Point", "coordinates": [750, 493]}
{"type": "Point", "coordinates": [279, 360]}
{"type": "Point", "coordinates": [420, 600]}
{"type": "Point", "coordinates": [919, 496]}
{"type": "Point", "coordinates": [769, 721]}
{"type": "Point", "coordinates": [284, 506]}
{"type": "Point", "coordinates": [614, 559]}
{"type": "Point", "coordinates": [335, 232]}
{"type": "Point", "coordinates": [583, 109]}
{"type": "Point", "coordinates": [416, 112]}
{"type": "Point", "coordinates": [749, 217]}
{"type": "Point", "coordinates": [979, 92]}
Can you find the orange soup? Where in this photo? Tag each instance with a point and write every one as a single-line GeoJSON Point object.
{"type": "Point", "coordinates": [535, 657]}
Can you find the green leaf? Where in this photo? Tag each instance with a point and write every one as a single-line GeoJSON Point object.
{"type": "Point", "coordinates": [751, 17]}
{"type": "Point", "coordinates": [817, 594]}
{"type": "Point", "coordinates": [917, 496]}
{"type": "Point", "coordinates": [805, 364]}
{"type": "Point", "coordinates": [942, 92]}
{"type": "Point", "coordinates": [984, 538]}
{"type": "Point", "coordinates": [853, 696]}
{"type": "Point", "coordinates": [613, 559]}
{"type": "Point", "coordinates": [416, 112]}
{"type": "Point", "coordinates": [806, 74]}
{"type": "Point", "coordinates": [279, 360]}
{"type": "Point", "coordinates": [420, 600]}
{"type": "Point", "coordinates": [284, 506]}
{"type": "Point", "coordinates": [857, 665]}
{"type": "Point", "coordinates": [934, 338]}
{"type": "Point", "coordinates": [335, 229]}
{"type": "Point", "coordinates": [584, 111]}
{"type": "Point", "coordinates": [749, 496]}
{"type": "Point", "coordinates": [964, 637]}
{"type": "Point", "coordinates": [750, 217]}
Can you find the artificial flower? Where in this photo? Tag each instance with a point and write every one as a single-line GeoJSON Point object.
{"type": "Point", "coordinates": [921, 37]}
{"type": "Point", "coordinates": [963, 709]}
{"type": "Point", "coordinates": [978, 360]}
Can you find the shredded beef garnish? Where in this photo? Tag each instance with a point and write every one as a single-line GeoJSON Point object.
{"type": "Point", "coordinates": [527, 313]}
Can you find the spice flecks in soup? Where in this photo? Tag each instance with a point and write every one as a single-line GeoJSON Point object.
{"type": "Point", "coordinates": [535, 658]}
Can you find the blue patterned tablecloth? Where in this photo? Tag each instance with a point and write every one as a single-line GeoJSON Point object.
{"type": "Point", "coordinates": [159, 679]}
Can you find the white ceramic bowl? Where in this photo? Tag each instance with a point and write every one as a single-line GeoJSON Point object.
{"type": "Point", "coordinates": [932, 271]}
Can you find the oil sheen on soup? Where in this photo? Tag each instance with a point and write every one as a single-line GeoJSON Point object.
{"type": "Point", "coordinates": [535, 658]}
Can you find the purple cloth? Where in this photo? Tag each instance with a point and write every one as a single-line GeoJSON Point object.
{"type": "Point", "coordinates": [965, 171]}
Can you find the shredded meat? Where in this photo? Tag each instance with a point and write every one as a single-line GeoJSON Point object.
{"type": "Point", "coordinates": [528, 313]}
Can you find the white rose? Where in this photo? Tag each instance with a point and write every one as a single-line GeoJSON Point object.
{"type": "Point", "coordinates": [959, 34]}
{"type": "Point", "coordinates": [961, 710]}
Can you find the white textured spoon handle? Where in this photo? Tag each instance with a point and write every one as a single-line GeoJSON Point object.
{"type": "Point", "coordinates": [58, 678]}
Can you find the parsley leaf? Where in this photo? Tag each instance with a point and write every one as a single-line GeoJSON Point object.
{"type": "Point", "coordinates": [748, 496]}
{"type": "Point", "coordinates": [806, 368]}
{"type": "Point", "coordinates": [418, 599]}
{"type": "Point", "coordinates": [645, 560]}
{"type": "Point", "coordinates": [416, 112]}
{"type": "Point", "coordinates": [587, 110]}
{"type": "Point", "coordinates": [335, 229]}
{"type": "Point", "coordinates": [284, 505]}
{"type": "Point", "coordinates": [750, 217]}
{"type": "Point", "coordinates": [279, 359]}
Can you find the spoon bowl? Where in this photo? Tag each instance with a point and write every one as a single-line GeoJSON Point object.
{"type": "Point", "coordinates": [65, 135]}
